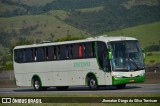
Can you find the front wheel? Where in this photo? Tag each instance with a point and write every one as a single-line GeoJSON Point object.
{"type": "Point", "coordinates": [122, 86]}
{"type": "Point", "coordinates": [92, 83]}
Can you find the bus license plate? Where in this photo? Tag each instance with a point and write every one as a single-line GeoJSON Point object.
{"type": "Point", "coordinates": [131, 81]}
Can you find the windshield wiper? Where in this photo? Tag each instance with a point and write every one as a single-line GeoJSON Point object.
{"type": "Point", "coordinates": [134, 63]}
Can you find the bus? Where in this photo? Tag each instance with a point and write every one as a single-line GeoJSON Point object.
{"type": "Point", "coordinates": [93, 62]}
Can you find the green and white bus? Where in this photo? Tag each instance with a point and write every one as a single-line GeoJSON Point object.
{"type": "Point", "coordinates": [92, 62]}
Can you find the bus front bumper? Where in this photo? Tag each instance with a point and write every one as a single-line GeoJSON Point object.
{"type": "Point", "coordinates": [118, 81]}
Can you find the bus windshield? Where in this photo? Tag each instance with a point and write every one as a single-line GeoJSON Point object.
{"type": "Point", "coordinates": [127, 56]}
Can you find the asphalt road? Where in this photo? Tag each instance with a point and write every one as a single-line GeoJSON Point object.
{"type": "Point", "coordinates": [130, 89]}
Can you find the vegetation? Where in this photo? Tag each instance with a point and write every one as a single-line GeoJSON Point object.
{"type": "Point", "coordinates": [148, 34]}
{"type": "Point", "coordinates": [57, 20]}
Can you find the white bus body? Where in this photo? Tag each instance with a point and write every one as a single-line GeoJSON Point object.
{"type": "Point", "coordinates": [70, 71]}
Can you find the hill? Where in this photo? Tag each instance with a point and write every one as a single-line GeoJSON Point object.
{"type": "Point", "coordinates": [37, 20]}
{"type": "Point", "coordinates": [36, 27]}
{"type": "Point", "coordinates": [148, 34]}
{"type": "Point", "coordinates": [32, 2]}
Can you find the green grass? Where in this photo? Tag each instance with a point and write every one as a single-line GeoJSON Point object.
{"type": "Point", "coordinates": [47, 24]}
{"type": "Point", "coordinates": [152, 57]}
{"type": "Point", "coordinates": [147, 34]}
{"type": "Point", "coordinates": [60, 14]}
{"type": "Point", "coordinates": [4, 8]}
{"type": "Point", "coordinates": [132, 3]}
{"type": "Point", "coordinates": [34, 2]}
{"type": "Point", "coordinates": [94, 9]}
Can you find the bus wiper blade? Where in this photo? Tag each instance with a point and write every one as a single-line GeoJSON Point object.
{"type": "Point", "coordinates": [134, 63]}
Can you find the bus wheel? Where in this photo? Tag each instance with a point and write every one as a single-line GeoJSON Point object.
{"type": "Point", "coordinates": [122, 86]}
{"type": "Point", "coordinates": [92, 83]}
{"type": "Point", "coordinates": [37, 84]}
{"type": "Point", "coordinates": [62, 88]}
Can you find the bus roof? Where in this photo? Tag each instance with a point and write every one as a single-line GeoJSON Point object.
{"type": "Point", "coordinates": [99, 38]}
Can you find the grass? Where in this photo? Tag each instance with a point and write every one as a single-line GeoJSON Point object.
{"type": "Point", "coordinates": [94, 9]}
{"type": "Point", "coordinates": [147, 34]}
{"type": "Point", "coordinates": [152, 57]}
{"type": "Point", "coordinates": [34, 2]}
{"type": "Point", "coordinates": [45, 24]}
{"type": "Point", "coordinates": [132, 3]}
{"type": "Point", "coordinates": [5, 8]}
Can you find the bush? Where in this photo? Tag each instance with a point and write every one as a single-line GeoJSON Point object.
{"type": "Point", "coordinates": [152, 48]}
{"type": "Point", "coordinates": [8, 66]}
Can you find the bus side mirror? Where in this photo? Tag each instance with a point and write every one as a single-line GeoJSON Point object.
{"type": "Point", "coordinates": [110, 55]}
{"type": "Point", "coordinates": [144, 55]}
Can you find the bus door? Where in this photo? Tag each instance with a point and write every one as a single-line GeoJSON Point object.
{"type": "Point", "coordinates": [104, 62]}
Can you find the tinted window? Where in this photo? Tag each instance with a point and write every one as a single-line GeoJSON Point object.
{"type": "Point", "coordinates": [75, 50]}
{"type": "Point", "coordinates": [50, 53]}
{"type": "Point", "coordinates": [18, 56]}
{"type": "Point", "coordinates": [101, 50]}
{"type": "Point", "coordinates": [29, 55]}
{"type": "Point", "coordinates": [40, 54]}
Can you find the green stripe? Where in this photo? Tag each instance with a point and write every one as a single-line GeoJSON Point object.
{"type": "Point", "coordinates": [117, 81]}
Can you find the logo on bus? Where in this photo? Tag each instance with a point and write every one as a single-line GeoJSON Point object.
{"type": "Point", "coordinates": [82, 64]}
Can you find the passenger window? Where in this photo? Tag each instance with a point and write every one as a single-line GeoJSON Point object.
{"type": "Point", "coordinates": [63, 52]}
{"type": "Point", "coordinates": [71, 51]}
{"type": "Point", "coordinates": [40, 54]}
{"type": "Point", "coordinates": [80, 50]}
{"type": "Point", "coordinates": [50, 53]}
{"type": "Point", "coordinates": [29, 55]}
{"type": "Point", "coordinates": [58, 52]}
{"type": "Point", "coordinates": [75, 50]}
{"type": "Point", "coordinates": [89, 51]}
{"type": "Point", "coordinates": [18, 56]}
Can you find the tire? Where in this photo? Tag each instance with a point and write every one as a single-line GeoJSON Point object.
{"type": "Point", "coordinates": [92, 83]}
{"type": "Point", "coordinates": [62, 88]}
{"type": "Point", "coordinates": [37, 84]}
{"type": "Point", "coordinates": [122, 86]}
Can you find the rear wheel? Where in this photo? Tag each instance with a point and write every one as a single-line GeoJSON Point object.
{"type": "Point", "coordinates": [92, 83]}
{"type": "Point", "coordinates": [37, 84]}
{"type": "Point", "coordinates": [122, 86]}
{"type": "Point", "coordinates": [62, 88]}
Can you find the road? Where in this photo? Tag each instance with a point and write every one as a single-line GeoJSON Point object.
{"type": "Point", "coordinates": [130, 89]}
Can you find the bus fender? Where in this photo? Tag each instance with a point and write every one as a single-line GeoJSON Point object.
{"type": "Point", "coordinates": [36, 76]}
{"type": "Point", "coordinates": [88, 75]}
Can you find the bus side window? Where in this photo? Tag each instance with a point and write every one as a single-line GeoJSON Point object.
{"type": "Point", "coordinates": [35, 54]}
{"type": "Point", "coordinates": [80, 51]}
{"type": "Point", "coordinates": [71, 51]}
{"type": "Point", "coordinates": [29, 55]}
{"type": "Point", "coordinates": [89, 51]}
{"type": "Point", "coordinates": [18, 56]}
{"type": "Point", "coordinates": [40, 54]}
{"type": "Point", "coordinates": [93, 54]}
{"type": "Point", "coordinates": [50, 53]}
{"type": "Point", "coordinates": [58, 52]}
{"type": "Point", "coordinates": [75, 50]}
{"type": "Point", "coordinates": [55, 53]}
{"type": "Point", "coordinates": [63, 52]}
{"type": "Point", "coordinates": [67, 51]}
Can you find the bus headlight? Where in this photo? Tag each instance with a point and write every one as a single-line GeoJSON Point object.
{"type": "Point", "coordinates": [117, 76]}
